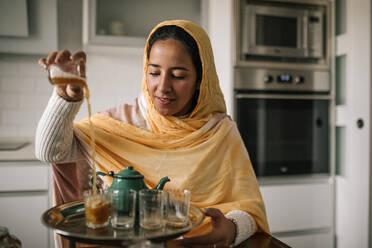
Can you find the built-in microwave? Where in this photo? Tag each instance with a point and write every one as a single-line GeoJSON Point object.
{"type": "Point", "coordinates": [271, 30]}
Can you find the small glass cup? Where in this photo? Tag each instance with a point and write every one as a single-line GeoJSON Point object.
{"type": "Point", "coordinates": [151, 209]}
{"type": "Point", "coordinates": [124, 208]}
{"type": "Point", "coordinates": [97, 208]}
{"type": "Point", "coordinates": [72, 72]}
{"type": "Point", "coordinates": [177, 205]}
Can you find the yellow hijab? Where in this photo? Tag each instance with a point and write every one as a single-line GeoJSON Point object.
{"type": "Point", "coordinates": [203, 152]}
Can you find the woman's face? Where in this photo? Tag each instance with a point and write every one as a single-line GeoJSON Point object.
{"type": "Point", "coordinates": [171, 77]}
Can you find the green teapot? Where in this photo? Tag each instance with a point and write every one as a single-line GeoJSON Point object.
{"type": "Point", "coordinates": [125, 180]}
{"type": "Point", "coordinates": [130, 179]}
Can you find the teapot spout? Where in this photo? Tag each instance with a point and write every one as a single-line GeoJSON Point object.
{"type": "Point", "coordinates": [162, 182]}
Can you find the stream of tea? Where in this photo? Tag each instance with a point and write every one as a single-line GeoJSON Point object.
{"type": "Point", "coordinates": [82, 82]}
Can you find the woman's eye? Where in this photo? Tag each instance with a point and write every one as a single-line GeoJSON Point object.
{"type": "Point", "coordinates": [178, 77]}
{"type": "Point", "coordinates": [154, 74]}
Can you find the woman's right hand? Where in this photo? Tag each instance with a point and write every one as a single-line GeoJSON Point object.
{"type": "Point", "coordinates": [68, 92]}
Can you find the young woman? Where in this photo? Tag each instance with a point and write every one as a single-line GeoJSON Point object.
{"type": "Point", "coordinates": [177, 127]}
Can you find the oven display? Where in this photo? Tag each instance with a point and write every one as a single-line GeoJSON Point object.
{"type": "Point", "coordinates": [285, 78]}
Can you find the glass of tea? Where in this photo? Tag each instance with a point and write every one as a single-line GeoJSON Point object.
{"type": "Point", "coordinates": [71, 72]}
{"type": "Point", "coordinates": [97, 208]}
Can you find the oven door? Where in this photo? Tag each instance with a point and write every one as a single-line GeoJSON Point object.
{"type": "Point", "coordinates": [285, 135]}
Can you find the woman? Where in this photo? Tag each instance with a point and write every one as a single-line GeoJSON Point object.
{"type": "Point", "coordinates": [178, 128]}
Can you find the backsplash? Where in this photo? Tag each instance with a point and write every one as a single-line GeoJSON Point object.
{"type": "Point", "coordinates": [25, 90]}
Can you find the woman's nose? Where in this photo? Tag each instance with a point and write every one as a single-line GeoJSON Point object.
{"type": "Point", "coordinates": [165, 84]}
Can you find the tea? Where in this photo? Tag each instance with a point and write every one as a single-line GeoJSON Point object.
{"type": "Point", "coordinates": [59, 77]}
{"type": "Point", "coordinates": [96, 211]}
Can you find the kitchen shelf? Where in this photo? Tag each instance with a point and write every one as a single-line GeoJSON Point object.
{"type": "Point", "coordinates": [136, 18]}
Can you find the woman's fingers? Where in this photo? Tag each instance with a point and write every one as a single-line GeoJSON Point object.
{"type": "Point", "coordinates": [222, 234]}
{"type": "Point", "coordinates": [214, 213]}
{"type": "Point", "coordinates": [63, 56]}
{"type": "Point", "coordinates": [79, 56]}
{"type": "Point", "coordinates": [42, 62]}
{"type": "Point", "coordinates": [210, 238]}
{"type": "Point", "coordinates": [51, 57]}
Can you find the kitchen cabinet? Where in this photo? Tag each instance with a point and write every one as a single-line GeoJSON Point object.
{"type": "Point", "coordinates": [42, 37]}
{"type": "Point", "coordinates": [301, 214]}
{"type": "Point", "coordinates": [53, 25]}
{"type": "Point", "coordinates": [126, 24]}
{"type": "Point", "coordinates": [24, 196]}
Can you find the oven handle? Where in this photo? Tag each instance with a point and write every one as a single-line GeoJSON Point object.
{"type": "Point", "coordinates": [288, 96]}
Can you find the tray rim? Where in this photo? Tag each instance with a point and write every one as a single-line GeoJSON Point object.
{"type": "Point", "coordinates": [115, 238]}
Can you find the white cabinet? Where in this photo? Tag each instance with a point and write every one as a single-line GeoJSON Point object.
{"type": "Point", "coordinates": [21, 213]}
{"type": "Point", "coordinates": [52, 24]}
{"type": "Point", "coordinates": [42, 37]}
{"type": "Point", "coordinates": [127, 23]}
{"type": "Point", "coordinates": [312, 240]}
{"type": "Point", "coordinates": [301, 214]}
{"type": "Point", "coordinates": [24, 196]}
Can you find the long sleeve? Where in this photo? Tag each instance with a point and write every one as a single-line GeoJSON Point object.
{"type": "Point", "coordinates": [55, 141]}
{"type": "Point", "coordinates": [245, 226]}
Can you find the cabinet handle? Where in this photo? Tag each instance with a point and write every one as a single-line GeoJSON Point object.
{"type": "Point", "coordinates": [360, 123]}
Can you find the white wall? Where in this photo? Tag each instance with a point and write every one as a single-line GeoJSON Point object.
{"type": "Point", "coordinates": [220, 30]}
{"type": "Point", "coordinates": [23, 94]}
{"type": "Point", "coordinates": [25, 90]}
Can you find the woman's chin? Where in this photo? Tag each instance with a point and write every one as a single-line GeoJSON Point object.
{"type": "Point", "coordinates": [164, 111]}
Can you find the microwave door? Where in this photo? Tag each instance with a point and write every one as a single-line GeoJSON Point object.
{"type": "Point", "coordinates": [274, 31]}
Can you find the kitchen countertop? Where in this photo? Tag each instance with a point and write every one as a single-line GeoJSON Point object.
{"type": "Point", "coordinates": [26, 153]}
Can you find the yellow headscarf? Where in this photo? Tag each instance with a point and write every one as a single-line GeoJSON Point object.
{"type": "Point", "coordinates": [210, 99]}
{"type": "Point", "coordinates": [203, 153]}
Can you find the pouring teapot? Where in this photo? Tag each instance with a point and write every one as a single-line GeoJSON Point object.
{"type": "Point", "coordinates": [130, 179]}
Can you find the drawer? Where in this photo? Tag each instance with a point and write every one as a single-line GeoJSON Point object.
{"type": "Point", "coordinates": [296, 207]}
{"type": "Point", "coordinates": [23, 176]}
{"type": "Point", "coordinates": [21, 214]}
{"type": "Point", "coordinates": [311, 240]}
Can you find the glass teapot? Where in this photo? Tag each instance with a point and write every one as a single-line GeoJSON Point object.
{"type": "Point", "coordinates": [130, 179]}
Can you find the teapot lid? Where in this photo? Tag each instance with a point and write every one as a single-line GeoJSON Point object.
{"type": "Point", "coordinates": [128, 172]}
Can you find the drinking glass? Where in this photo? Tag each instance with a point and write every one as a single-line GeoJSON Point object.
{"type": "Point", "coordinates": [71, 72]}
{"type": "Point", "coordinates": [177, 207]}
{"type": "Point", "coordinates": [124, 208]}
{"type": "Point", "coordinates": [97, 208]}
{"type": "Point", "coordinates": [151, 208]}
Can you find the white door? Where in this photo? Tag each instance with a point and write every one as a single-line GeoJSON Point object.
{"type": "Point", "coordinates": [353, 91]}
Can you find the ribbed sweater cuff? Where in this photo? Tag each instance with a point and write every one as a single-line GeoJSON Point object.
{"type": "Point", "coordinates": [244, 223]}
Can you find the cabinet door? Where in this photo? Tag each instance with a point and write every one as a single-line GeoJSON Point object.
{"type": "Point", "coordinates": [353, 123]}
{"type": "Point", "coordinates": [42, 23]}
{"type": "Point", "coordinates": [295, 207]}
{"type": "Point", "coordinates": [323, 240]}
{"type": "Point", "coordinates": [21, 215]}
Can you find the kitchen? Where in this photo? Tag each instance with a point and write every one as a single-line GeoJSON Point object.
{"type": "Point", "coordinates": [25, 91]}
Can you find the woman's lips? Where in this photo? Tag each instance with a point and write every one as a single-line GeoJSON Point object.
{"type": "Point", "coordinates": [165, 101]}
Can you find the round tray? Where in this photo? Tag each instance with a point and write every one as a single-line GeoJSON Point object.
{"type": "Point", "coordinates": [68, 220]}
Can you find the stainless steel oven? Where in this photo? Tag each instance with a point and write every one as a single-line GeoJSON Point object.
{"type": "Point", "coordinates": [283, 118]}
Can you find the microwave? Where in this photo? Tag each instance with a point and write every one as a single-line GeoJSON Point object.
{"type": "Point", "coordinates": [283, 30]}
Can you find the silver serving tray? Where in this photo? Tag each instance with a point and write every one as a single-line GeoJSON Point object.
{"type": "Point", "coordinates": [68, 220]}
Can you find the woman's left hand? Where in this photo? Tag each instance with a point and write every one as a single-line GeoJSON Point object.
{"type": "Point", "coordinates": [222, 235]}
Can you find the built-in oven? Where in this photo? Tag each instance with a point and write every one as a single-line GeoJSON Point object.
{"type": "Point", "coordinates": [283, 118]}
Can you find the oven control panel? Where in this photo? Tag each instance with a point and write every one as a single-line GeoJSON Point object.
{"type": "Point", "coordinates": [279, 80]}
